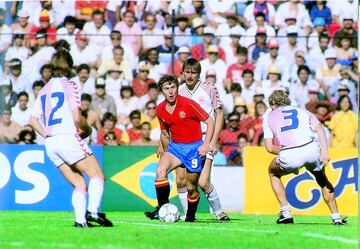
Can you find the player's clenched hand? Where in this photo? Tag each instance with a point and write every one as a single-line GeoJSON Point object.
{"type": "Point", "coordinates": [203, 149]}
{"type": "Point", "coordinates": [212, 148]}
{"type": "Point", "coordinates": [324, 158]}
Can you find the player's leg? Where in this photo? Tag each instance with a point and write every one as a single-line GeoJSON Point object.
{"type": "Point", "coordinates": [328, 194]}
{"type": "Point", "coordinates": [90, 166]}
{"type": "Point", "coordinates": [78, 198]}
{"type": "Point", "coordinates": [193, 195]}
{"type": "Point", "coordinates": [275, 174]}
{"type": "Point", "coordinates": [210, 191]}
{"type": "Point", "coordinates": [181, 187]}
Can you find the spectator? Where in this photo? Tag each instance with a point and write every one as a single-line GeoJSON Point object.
{"type": "Point", "coordinates": [274, 81]}
{"type": "Point", "coordinates": [317, 54]}
{"type": "Point", "coordinates": [157, 68]}
{"type": "Point", "coordinates": [248, 87]}
{"type": "Point", "coordinates": [240, 106]}
{"type": "Point", "coordinates": [85, 9]}
{"type": "Point", "coordinates": [201, 9]}
{"type": "Point", "coordinates": [259, 6]}
{"type": "Point", "coordinates": [259, 47]}
{"type": "Point", "coordinates": [153, 93]}
{"type": "Point", "coordinates": [149, 115]}
{"type": "Point", "coordinates": [113, 12]}
{"type": "Point", "coordinates": [27, 135]}
{"type": "Point", "coordinates": [183, 55]}
{"type": "Point", "coordinates": [224, 29]}
{"type": "Point", "coordinates": [92, 118]}
{"type": "Point", "coordinates": [199, 51]}
{"type": "Point", "coordinates": [213, 62]}
{"type": "Point", "coordinates": [134, 132]}
{"type": "Point", "coordinates": [299, 61]}
{"type": "Point", "coordinates": [8, 97]}
{"type": "Point", "coordinates": [21, 112]}
{"type": "Point", "coordinates": [220, 8]}
{"type": "Point", "coordinates": [344, 52]}
{"type": "Point", "coordinates": [45, 73]}
{"type": "Point", "coordinates": [107, 51]}
{"type": "Point", "coordinates": [125, 104]}
{"type": "Point", "coordinates": [110, 139]}
{"type": "Point", "coordinates": [320, 10]}
{"type": "Point", "coordinates": [102, 102]}
{"type": "Point", "coordinates": [151, 36]}
{"type": "Point", "coordinates": [234, 71]}
{"type": "Point", "coordinates": [142, 81]}
{"type": "Point", "coordinates": [114, 82]}
{"type": "Point", "coordinates": [344, 125]}
{"type": "Point", "coordinates": [39, 9]}
{"type": "Point", "coordinates": [260, 24]}
{"type": "Point", "coordinates": [61, 10]}
{"type": "Point", "coordinates": [290, 20]}
{"type": "Point", "coordinates": [256, 126]}
{"type": "Point", "coordinates": [165, 50]}
{"type": "Point", "coordinates": [68, 31]}
{"type": "Point", "coordinates": [236, 157]}
{"type": "Point", "coordinates": [97, 31]}
{"type": "Point", "coordinates": [198, 25]}
{"type": "Point", "coordinates": [347, 23]}
{"type": "Point", "coordinates": [233, 46]}
{"type": "Point", "coordinates": [327, 73]}
{"type": "Point", "coordinates": [228, 136]}
{"type": "Point", "coordinates": [182, 32]}
{"type": "Point", "coordinates": [17, 50]}
{"type": "Point", "coordinates": [18, 80]}
{"type": "Point", "coordinates": [116, 62]}
{"type": "Point", "coordinates": [36, 87]}
{"type": "Point", "coordinates": [108, 123]}
{"type": "Point", "coordinates": [343, 84]}
{"type": "Point", "coordinates": [145, 140]}
{"type": "Point", "coordinates": [82, 52]}
{"type": "Point", "coordinates": [22, 25]}
{"type": "Point", "coordinates": [319, 28]}
{"type": "Point", "coordinates": [131, 31]}
{"type": "Point", "coordinates": [5, 37]}
{"type": "Point", "coordinates": [83, 80]}
{"type": "Point", "coordinates": [44, 25]}
{"type": "Point", "coordinates": [9, 130]}
{"type": "Point", "coordinates": [292, 45]}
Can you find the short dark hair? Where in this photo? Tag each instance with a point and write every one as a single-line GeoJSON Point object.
{"type": "Point", "coordinates": [83, 66]}
{"type": "Point", "coordinates": [134, 113]}
{"type": "Point", "coordinates": [38, 83]}
{"type": "Point", "coordinates": [86, 97]}
{"type": "Point", "coordinates": [242, 135]}
{"type": "Point", "coordinates": [192, 63]}
{"type": "Point", "coordinates": [22, 93]}
{"type": "Point", "coordinates": [303, 67]}
{"type": "Point", "coordinates": [45, 66]}
{"type": "Point", "coordinates": [69, 19]}
{"type": "Point", "coordinates": [98, 12]}
{"type": "Point", "coordinates": [236, 87]}
{"type": "Point", "coordinates": [247, 71]}
{"type": "Point", "coordinates": [108, 116]}
{"type": "Point", "coordinates": [145, 123]}
{"type": "Point", "coordinates": [153, 86]}
{"type": "Point", "coordinates": [126, 88]}
{"type": "Point", "coordinates": [231, 114]}
{"type": "Point", "coordinates": [260, 14]}
{"type": "Point", "coordinates": [167, 79]}
{"type": "Point", "coordinates": [338, 107]}
{"type": "Point", "coordinates": [242, 50]}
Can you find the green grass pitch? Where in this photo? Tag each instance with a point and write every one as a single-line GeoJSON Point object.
{"type": "Point", "coordinates": [36, 230]}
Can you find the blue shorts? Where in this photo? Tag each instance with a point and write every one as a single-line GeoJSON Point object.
{"type": "Point", "coordinates": [188, 154]}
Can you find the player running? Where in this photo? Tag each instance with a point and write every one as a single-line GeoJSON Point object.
{"type": "Point", "coordinates": [181, 135]}
{"type": "Point", "coordinates": [57, 118]}
{"type": "Point", "coordinates": [293, 128]}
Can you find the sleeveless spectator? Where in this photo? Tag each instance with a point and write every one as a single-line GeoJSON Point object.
{"type": "Point", "coordinates": [8, 129]}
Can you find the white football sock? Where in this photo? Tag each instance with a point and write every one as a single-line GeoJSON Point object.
{"type": "Point", "coordinates": [285, 211]}
{"type": "Point", "coordinates": [336, 217]}
{"type": "Point", "coordinates": [78, 201]}
{"type": "Point", "coordinates": [214, 200]}
{"type": "Point", "coordinates": [182, 192]}
{"type": "Point", "coordinates": [96, 189]}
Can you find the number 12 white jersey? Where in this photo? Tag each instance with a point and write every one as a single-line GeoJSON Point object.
{"type": "Point", "coordinates": [54, 106]}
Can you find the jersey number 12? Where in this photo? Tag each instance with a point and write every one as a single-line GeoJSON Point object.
{"type": "Point", "coordinates": [60, 101]}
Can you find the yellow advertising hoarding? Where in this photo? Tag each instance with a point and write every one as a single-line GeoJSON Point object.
{"type": "Point", "coordinates": [303, 193]}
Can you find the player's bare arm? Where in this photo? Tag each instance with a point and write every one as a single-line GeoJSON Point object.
{"type": "Point", "coordinates": [210, 125]}
{"type": "Point", "coordinates": [270, 147]}
{"type": "Point", "coordinates": [34, 122]}
{"type": "Point", "coordinates": [163, 143]}
{"type": "Point", "coordinates": [219, 120]}
{"type": "Point", "coordinates": [81, 123]}
{"type": "Point", "coordinates": [324, 154]}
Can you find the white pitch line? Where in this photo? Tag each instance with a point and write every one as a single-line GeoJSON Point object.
{"type": "Point", "coordinates": [314, 235]}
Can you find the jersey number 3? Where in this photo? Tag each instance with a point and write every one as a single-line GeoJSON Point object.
{"type": "Point", "coordinates": [60, 101]}
{"type": "Point", "coordinates": [292, 115]}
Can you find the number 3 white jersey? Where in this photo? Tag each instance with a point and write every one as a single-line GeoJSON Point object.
{"type": "Point", "coordinates": [54, 106]}
{"type": "Point", "coordinates": [290, 126]}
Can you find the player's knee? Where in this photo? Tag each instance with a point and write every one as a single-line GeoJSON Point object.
{"type": "Point", "coordinates": [80, 184]}
{"type": "Point", "coordinates": [180, 182]}
{"type": "Point", "coordinates": [161, 172]}
{"type": "Point", "coordinates": [192, 189]}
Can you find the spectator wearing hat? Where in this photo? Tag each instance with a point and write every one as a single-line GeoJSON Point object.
{"type": "Point", "coordinates": [256, 7]}
{"type": "Point", "coordinates": [302, 87]}
{"type": "Point", "coordinates": [8, 97]}
{"type": "Point", "coordinates": [223, 30]}
{"type": "Point", "coordinates": [130, 30]}
{"type": "Point", "coordinates": [151, 36]}
{"type": "Point", "coordinates": [17, 50]}
{"type": "Point", "coordinates": [21, 112]}
{"type": "Point", "coordinates": [234, 71]}
{"type": "Point", "coordinates": [259, 47]}
{"type": "Point", "coordinates": [157, 68]}
{"type": "Point", "coordinates": [246, 120]}
{"type": "Point", "coordinates": [22, 24]}
{"type": "Point", "coordinates": [142, 81]}
{"type": "Point", "coordinates": [200, 51]}
{"type": "Point", "coordinates": [347, 28]}
{"type": "Point", "coordinates": [274, 81]}
{"type": "Point", "coordinates": [183, 54]}
{"type": "Point", "coordinates": [18, 80]}
{"type": "Point", "coordinates": [153, 93]}
{"type": "Point", "coordinates": [125, 105]}
{"type": "Point", "coordinates": [102, 102]}
{"type": "Point", "coordinates": [98, 33]}
{"type": "Point", "coordinates": [8, 129]}
{"type": "Point", "coordinates": [213, 62]}
{"type": "Point", "coordinates": [116, 40]}
{"type": "Point", "coordinates": [233, 46]}
{"type": "Point", "coordinates": [292, 45]}
{"type": "Point", "coordinates": [114, 82]}
{"type": "Point", "coordinates": [296, 9]}
{"type": "Point", "coordinates": [344, 52]}
{"type": "Point", "coordinates": [37, 9]}
{"type": "Point", "coordinates": [68, 31]}
{"type": "Point", "coordinates": [108, 123]}
{"type": "Point", "coordinates": [268, 59]}
{"type": "Point", "coordinates": [116, 62]}
{"type": "Point", "coordinates": [316, 55]}
{"type": "Point", "coordinates": [329, 72]}
{"type": "Point", "coordinates": [83, 80]}
{"type": "Point", "coordinates": [319, 28]}
{"type": "Point", "coordinates": [198, 25]}
{"type": "Point", "coordinates": [44, 25]}
{"type": "Point", "coordinates": [344, 125]}
{"type": "Point", "coordinates": [260, 26]}
{"type": "Point", "coordinates": [320, 10]}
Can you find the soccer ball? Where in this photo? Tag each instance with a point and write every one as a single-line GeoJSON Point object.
{"type": "Point", "coordinates": [169, 213]}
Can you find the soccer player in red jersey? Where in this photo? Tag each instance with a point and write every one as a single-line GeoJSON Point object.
{"type": "Point", "coordinates": [181, 136]}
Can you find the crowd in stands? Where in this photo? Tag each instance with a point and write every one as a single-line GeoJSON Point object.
{"type": "Point", "coordinates": [120, 49]}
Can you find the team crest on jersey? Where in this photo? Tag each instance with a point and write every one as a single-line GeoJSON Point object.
{"type": "Point", "coordinates": [182, 114]}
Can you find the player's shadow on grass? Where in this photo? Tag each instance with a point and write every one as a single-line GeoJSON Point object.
{"type": "Point", "coordinates": [314, 223]}
{"type": "Point", "coordinates": [218, 222]}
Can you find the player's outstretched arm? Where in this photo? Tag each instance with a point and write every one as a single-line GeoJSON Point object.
{"type": "Point", "coordinates": [270, 147]}
{"type": "Point", "coordinates": [210, 125]}
{"type": "Point", "coordinates": [34, 122]}
{"type": "Point", "coordinates": [324, 154]}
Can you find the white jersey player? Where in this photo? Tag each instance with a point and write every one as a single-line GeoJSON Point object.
{"type": "Point", "coordinates": [288, 133]}
{"type": "Point", "coordinates": [57, 118]}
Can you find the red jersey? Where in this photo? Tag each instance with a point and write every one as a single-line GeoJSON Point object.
{"type": "Point", "coordinates": [234, 71]}
{"type": "Point", "coordinates": [139, 88]}
{"type": "Point", "coordinates": [184, 123]}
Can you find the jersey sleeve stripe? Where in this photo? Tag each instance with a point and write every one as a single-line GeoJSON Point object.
{"type": "Point", "coordinates": [201, 114]}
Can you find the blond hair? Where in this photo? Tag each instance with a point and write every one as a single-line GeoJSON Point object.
{"type": "Point", "coordinates": [279, 98]}
{"type": "Point", "coordinates": [62, 63]}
